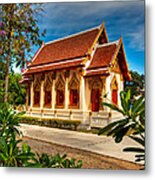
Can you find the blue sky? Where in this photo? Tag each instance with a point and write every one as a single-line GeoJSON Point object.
{"type": "Point", "coordinates": [124, 18]}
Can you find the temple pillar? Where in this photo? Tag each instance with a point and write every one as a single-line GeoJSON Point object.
{"type": "Point", "coordinates": [66, 94]}
{"type": "Point", "coordinates": [82, 94]}
{"type": "Point", "coordinates": [42, 95]}
{"type": "Point", "coordinates": [53, 95]}
{"type": "Point", "coordinates": [27, 97]}
{"type": "Point", "coordinates": [32, 94]}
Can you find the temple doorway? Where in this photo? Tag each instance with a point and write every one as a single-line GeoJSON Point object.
{"type": "Point", "coordinates": [95, 100]}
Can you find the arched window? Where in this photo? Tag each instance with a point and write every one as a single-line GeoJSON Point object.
{"type": "Point", "coordinates": [47, 92]}
{"type": "Point", "coordinates": [60, 93]}
{"type": "Point", "coordinates": [74, 92]}
{"type": "Point", "coordinates": [37, 86]}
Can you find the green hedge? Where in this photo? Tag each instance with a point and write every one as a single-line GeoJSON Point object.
{"type": "Point", "coordinates": [57, 123]}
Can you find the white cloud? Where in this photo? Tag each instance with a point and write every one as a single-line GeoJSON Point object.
{"type": "Point", "coordinates": [137, 39]}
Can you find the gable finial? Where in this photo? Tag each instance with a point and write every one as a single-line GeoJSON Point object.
{"type": "Point", "coordinates": [102, 25]}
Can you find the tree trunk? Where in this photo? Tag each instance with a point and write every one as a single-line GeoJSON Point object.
{"type": "Point", "coordinates": [6, 80]}
{"type": "Point", "coordinates": [8, 58]}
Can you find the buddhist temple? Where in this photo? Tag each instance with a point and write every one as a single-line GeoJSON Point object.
{"type": "Point", "coordinates": [69, 78]}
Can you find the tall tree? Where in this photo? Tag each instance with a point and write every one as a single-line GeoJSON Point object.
{"type": "Point", "coordinates": [137, 85]}
{"type": "Point", "coordinates": [19, 33]}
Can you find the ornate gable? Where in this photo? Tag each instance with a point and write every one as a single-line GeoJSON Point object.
{"type": "Point", "coordinates": [116, 67]}
{"type": "Point", "coordinates": [60, 84]}
{"type": "Point", "coordinates": [48, 83]}
{"type": "Point", "coordinates": [37, 83]}
{"type": "Point", "coordinates": [74, 82]}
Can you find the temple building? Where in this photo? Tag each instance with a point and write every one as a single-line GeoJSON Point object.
{"type": "Point", "coordinates": [69, 78]}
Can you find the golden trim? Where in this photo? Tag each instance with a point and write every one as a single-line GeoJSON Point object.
{"type": "Point", "coordinates": [114, 84]}
{"type": "Point", "coordinates": [115, 55]}
{"type": "Point", "coordinates": [96, 39]}
{"type": "Point", "coordinates": [102, 29]}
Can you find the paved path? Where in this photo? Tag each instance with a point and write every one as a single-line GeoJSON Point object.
{"type": "Point", "coordinates": [86, 141]}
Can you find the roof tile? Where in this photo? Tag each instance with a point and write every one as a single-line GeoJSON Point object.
{"type": "Point", "coordinates": [67, 48]}
{"type": "Point", "coordinates": [103, 56]}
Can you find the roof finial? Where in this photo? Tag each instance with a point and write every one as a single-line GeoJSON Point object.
{"type": "Point", "coordinates": [102, 24]}
{"type": "Point", "coordinates": [121, 39]}
{"type": "Point", "coordinates": [43, 43]}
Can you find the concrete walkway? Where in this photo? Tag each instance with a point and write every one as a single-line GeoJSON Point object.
{"type": "Point", "coordinates": [85, 141]}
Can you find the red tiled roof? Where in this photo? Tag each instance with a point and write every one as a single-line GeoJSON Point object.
{"type": "Point", "coordinates": [103, 56]}
{"type": "Point", "coordinates": [67, 48]}
{"type": "Point", "coordinates": [55, 67]}
{"type": "Point", "coordinates": [96, 73]}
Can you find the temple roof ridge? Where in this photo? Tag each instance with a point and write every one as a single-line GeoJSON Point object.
{"type": "Point", "coordinates": [109, 43]}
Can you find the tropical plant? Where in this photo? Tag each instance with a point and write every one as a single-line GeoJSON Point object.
{"type": "Point", "coordinates": [13, 156]}
{"type": "Point", "coordinates": [15, 153]}
{"type": "Point", "coordinates": [58, 161]}
{"type": "Point", "coordinates": [9, 121]}
{"type": "Point", "coordinates": [132, 125]}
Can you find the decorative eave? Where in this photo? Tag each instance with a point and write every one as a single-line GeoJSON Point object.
{"type": "Point", "coordinates": [55, 66]}
{"type": "Point", "coordinates": [24, 80]}
{"type": "Point", "coordinates": [97, 72]}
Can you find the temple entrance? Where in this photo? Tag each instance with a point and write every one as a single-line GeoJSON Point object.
{"type": "Point", "coordinates": [114, 91]}
{"type": "Point", "coordinates": [114, 96]}
{"type": "Point", "coordinates": [95, 100]}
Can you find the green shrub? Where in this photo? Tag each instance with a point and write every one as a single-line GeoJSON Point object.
{"type": "Point", "coordinates": [15, 153]}
{"type": "Point", "coordinates": [58, 123]}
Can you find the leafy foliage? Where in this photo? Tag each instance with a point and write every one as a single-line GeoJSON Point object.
{"type": "Point", "coordinates": [136, 85]}
{"type": "Point", "coordinates": [16, 91]}
{"type": "Point", "coordinates": [9, 122]}
{"type": "Point", "coordinates": [13, 156]}
{"type": "Point", "coordinates": [19, 33]}
{"type": "Point", "coordinates": [58, 161]}
{"type": "Point", "coordinates": [132, 125]}
{"type": "Point", "coordinates": [15, 153]}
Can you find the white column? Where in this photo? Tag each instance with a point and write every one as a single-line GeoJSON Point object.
{"type": "Point", "coordinates": [66, 94]}
{"type": "Point", "coordinates": [82, 95]}
{"type": "Point", "coordinates": [42, 95]}
{"type": "Point", "coordinates": [32, 95]}
{"type": "Point", "coordinates": [108, 93]}
{"type": "Point", "coordinates": [53, 95]}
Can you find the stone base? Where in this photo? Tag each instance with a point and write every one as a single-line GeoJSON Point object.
{"type": "Point", "coordinates": [88, 119]}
